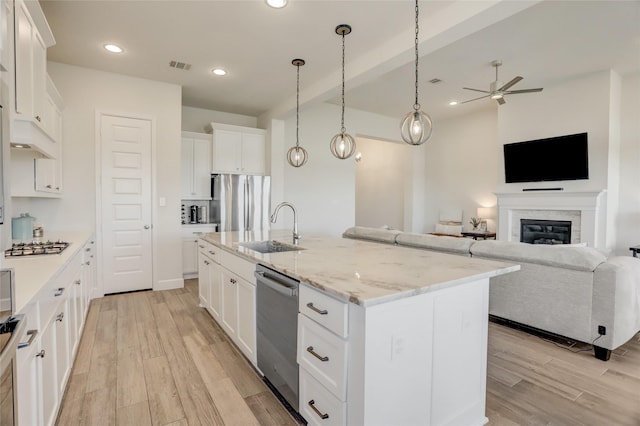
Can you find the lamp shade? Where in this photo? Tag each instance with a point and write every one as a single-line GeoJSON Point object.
{"type": "Point", "coordinates": [486, 212]}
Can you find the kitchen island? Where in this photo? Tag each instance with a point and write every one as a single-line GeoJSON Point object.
{"type": "Point", "coordinates": [413, 346]}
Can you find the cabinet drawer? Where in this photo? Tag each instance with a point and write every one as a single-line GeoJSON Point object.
{"type": "Point", "coordinates": [209, 250]}
{"type": "Point", "coordinates": [324, 309]}
{"type": "Point", "coordinates": [239, 266]}
{"type": "Point", "coordinates": [323, 355]}
{"type": "Point", "coordinates": [317, 405]}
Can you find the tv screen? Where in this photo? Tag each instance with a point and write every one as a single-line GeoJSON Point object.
{"type": "Point", "coordinates": [551, 159]}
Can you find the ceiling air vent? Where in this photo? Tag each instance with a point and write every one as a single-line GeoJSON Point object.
{"type": "Point", "coordinates": [180, 65]}
{"type": "Point", "coordinates": [435, 81]}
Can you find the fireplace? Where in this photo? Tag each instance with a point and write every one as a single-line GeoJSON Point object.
{"type": "Point", "coordinates": [534, 231]}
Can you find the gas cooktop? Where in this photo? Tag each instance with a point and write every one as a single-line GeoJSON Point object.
{"type": "Point", "coordinates": [34, 248]}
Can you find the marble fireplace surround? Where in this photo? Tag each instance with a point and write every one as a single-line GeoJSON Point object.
{"type": "Point", "coordinates": [581, 208]}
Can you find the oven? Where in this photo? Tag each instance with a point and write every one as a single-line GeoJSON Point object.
{"type": "Point", "coordinates": [11, 332]}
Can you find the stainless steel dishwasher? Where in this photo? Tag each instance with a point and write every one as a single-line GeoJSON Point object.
{"type": "Point", "coordinates": [277, 331]}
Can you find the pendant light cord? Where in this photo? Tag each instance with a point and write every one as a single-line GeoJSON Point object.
{"type": "Point", "coordinates": [342, 130]}
{"type": "Point", "coordinates": [297, 105]}
{"type": "Point", "coordinates": [416, 106]}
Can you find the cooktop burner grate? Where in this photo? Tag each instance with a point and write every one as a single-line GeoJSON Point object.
{"type": "Point", "coordinates": [34, 248]}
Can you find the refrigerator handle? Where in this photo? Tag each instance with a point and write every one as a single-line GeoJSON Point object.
{"type": "Point", "coordinates": [247, 210]}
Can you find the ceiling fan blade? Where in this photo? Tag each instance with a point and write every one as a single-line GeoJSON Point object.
{"type": "Point", "coordinates": [475, 99]}
{"type": "Point", "coordinates": [501, 101]}
{"type": "Point", "coordinates": [475, 90]}
{"type": "Point", "coordinates": [511, 92]}
{"type": "Point", "coordinates": [509, 84]}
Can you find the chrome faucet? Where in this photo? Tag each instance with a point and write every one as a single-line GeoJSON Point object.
{"type": "Point", "coordinates": [274, 217]}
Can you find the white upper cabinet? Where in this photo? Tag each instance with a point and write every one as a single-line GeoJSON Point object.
{"type": "Point", "coordinates": [238, 150]}
{"type": "Point", "coordinates": [36, 113]}
{"type": "Point", "coordinates": [196, 166]}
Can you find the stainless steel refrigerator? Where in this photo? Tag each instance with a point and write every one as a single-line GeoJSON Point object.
{"type": "Point", "coordinates": [241, 202]}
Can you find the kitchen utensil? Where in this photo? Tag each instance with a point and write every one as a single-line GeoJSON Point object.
{"type": "Point", "coordinates": [203, 214]}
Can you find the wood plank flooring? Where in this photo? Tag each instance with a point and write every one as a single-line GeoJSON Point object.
{"type": "Point", "coordinates": [156, 358]}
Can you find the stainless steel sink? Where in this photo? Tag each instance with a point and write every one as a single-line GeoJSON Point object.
{"type": "Point", "coordinates": [270, 246]}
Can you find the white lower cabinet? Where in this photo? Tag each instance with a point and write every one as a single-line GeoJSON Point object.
{"type": "Point", "coordinates": [319, 406]}
{"type": "Point", "coordinates": [189, 256]}
{"type": "Point", "coordinates": [226, 282]}
{"type": "Point", "coordinates": [55, 318]}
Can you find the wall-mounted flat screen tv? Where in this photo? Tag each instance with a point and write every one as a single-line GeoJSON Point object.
{"type": "Point", "coordinates": [551, 159]}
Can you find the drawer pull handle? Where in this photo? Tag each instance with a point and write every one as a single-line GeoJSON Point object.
{"type": "Point", "coordinates": [232, 281]}
{"type": "Point", "coordinates": [313, 308]}
{"type": "Point", "coordinates": [314, 353]}
{"type": "Point", "coordinates": [213, 253]}
{"type": "Point", "coordinates": [320, 414]}
{"type": "Point", "coordinates": [206, 262]}
{"type": "Point", "coordinates": [200, 246]}
{"type": "Point", "coordinates": [40, 354]}
{"type": "Point", "coordinates": [60, 316]}
{"type": "Point", "coordinates": [59, 291]}
{"type": "Point", "coordinates": [77, 282]}
{"type": "Point", "coordinates": [32, 335]}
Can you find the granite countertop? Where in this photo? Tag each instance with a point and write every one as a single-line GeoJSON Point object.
{"type": "Point", "coordinates": [362, 272]}
{"type": "Point", "coordinates": [31, 273]}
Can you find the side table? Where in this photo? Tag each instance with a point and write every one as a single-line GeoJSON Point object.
{"type": "Point", "coordinates": [482, 235]}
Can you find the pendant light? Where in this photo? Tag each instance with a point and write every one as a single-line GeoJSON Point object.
{"type": "Point", "coordinates": [342, 145]}
{"type": "Point", "coordinates": [416, 127]}
{"type": "Point", "coordinates": [297, 156]}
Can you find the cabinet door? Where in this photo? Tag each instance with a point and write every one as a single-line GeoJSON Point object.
{"type": "Point", "coordinates": [203, 279]}
{"type": "Point", "coordinates": [187, 167]}
{"type": "Point", "coordinates": [253, 154]}
{"type": "Point", "coordinates": [227, 151]}
{"type": "Point", "coordinates": [62, 322]}
{"type": "Point", "coordinates": [189, 256]}
{"type": "Point", "coordinates": [45, 171]}
{"type": "Point", "coordinates": [215, 285]}
{"type": "Point", "coordinates": [29, 384]}
{"type": "Point", "coordinates": [24, 59]}
{"type": "Point", "coordinates": [48, 373]}
{"type": "Point", "coordinates": [229, 303]}
{"type": "Point", "coordinates": [39, 81]}
{"type": "Point", "coordinates": [202, 168]}
{"type": "Point", "coordinates": [247, 319]}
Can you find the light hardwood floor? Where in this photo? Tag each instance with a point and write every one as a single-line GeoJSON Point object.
{"type": "Point", "coordinates": [156, 358]}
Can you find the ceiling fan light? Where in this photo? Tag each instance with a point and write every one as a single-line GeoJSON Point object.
{"type": "Point", "coordinates": [277, 4]}
{"type": "Point", "coordinates": [416, 128]}
{"type": "Point", "coordinates": [497, 96]}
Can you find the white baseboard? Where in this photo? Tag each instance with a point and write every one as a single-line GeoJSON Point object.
{"type": "Point", "coordinates": [169, 284]}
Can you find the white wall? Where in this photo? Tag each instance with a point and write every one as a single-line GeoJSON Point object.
{"type": "Point", "coordinates": [323, 190]}
{"type": "Point", "coordinates": [461, 166]}
{"type": "Point", "coordinates": [85, 91]}
{"type": "Point", "coordinates": [628, 220]}
{"type": "Point", "coordinates": [196, 119]}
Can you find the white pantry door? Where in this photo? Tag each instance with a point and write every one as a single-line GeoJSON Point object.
{"type": "Point", "coordinates": [126, 204]}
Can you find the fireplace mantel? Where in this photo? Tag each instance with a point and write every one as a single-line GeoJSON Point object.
{"type": "Point", "coordinates": [589, 205]}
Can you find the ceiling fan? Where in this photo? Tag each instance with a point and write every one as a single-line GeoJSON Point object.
{"type": "Point", "coordinates": [497, 90]}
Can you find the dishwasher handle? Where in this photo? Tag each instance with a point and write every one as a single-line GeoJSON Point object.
{"type": "Point", "coordinates": [278, 286]}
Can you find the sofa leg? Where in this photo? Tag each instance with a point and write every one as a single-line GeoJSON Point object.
{"type": "Point", "coordinates": [602, 354]}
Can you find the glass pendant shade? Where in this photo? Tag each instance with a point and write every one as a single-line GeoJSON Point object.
{"type": "Point", "coordinates": [297, 156]}
{"type": "Point", "coordinates": [342, 145]}
{"type": "Point", "coordinates": [416, 128]}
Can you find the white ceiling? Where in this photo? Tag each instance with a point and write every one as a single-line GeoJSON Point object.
{"type": "Point", "coordinates": [545, 42]}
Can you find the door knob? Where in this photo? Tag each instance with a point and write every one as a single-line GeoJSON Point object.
{"type": "Point", "coordinates": [146, 227]}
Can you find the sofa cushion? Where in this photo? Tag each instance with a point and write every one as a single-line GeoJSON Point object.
{"type": "Point", "coordinates": [576, 258]}
{"type": "Point", "coordinates": [372, 234]}
{"type": "Point", "coordinates": [435, 242]}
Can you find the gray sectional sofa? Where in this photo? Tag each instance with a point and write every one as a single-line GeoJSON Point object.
{"type": "Point", "coordinates": [576, 292]}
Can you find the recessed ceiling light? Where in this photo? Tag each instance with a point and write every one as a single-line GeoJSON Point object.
{"type": "Point", "coordinates": [113, 48]}
{"type": "Point", "coordinates": [219, 71]}
{"type": "Point", "coordinates": [453, 103]}
{"type": "Point", "coordinates": [277, 4]}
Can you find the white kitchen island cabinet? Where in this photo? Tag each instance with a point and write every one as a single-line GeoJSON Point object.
{"type": "Point", "coordinates": [387, 335]}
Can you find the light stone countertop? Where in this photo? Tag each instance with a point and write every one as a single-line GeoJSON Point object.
{"type": "Point", "coordinates": [362, 272]}
{"type": "Point", "coordinates": [31, 273]}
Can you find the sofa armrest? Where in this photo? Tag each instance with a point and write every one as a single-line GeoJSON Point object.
{"type": "Point", "coordinates": [372, 234]}
{"type": "Point", "coordinates": [616, 301]}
